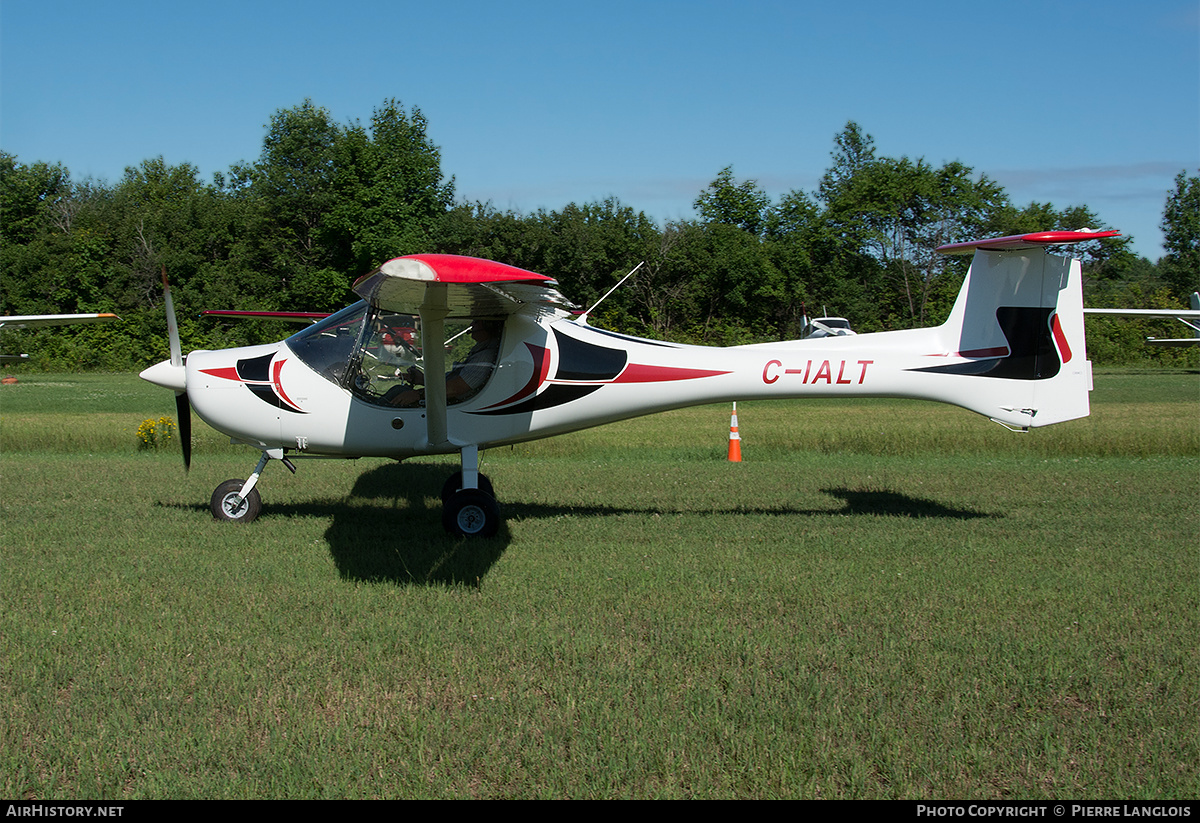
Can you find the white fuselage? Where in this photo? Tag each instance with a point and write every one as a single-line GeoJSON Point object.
{"type": "Point", "coordinates": [553, 375]}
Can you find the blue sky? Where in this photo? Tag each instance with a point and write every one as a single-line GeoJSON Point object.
{"type": "Point", "coordinates": [538, 104]}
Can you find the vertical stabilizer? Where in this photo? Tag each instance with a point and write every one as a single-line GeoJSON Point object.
{"type": "Point", "coordinates": [1018, 322]}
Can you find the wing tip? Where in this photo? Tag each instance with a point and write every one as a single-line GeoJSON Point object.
{"type": "Point", "coordinates": [457, 268]}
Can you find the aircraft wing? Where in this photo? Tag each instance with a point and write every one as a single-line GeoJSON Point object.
{"type": "Point", "coordinates": [290, 316]}
{"type": "Point", "coordinates": [472, 287]}
{"type": "Point", "coordinates": [30, 321]}
{"type": "Point", "coordinates": [1173, 341]}
{"type": "Point", "coordinates": [1189, 318]}
{"type": "Point", "coordinates": [1180, 313]}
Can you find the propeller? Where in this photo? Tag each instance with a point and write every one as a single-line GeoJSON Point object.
{"type": "Point", "coordinates": [183, 408]}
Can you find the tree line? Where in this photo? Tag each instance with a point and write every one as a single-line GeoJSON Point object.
{"type": "Point", "coordinates": [326, 202]}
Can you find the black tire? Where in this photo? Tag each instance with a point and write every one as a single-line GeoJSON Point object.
{"type": "Point", "coordinates": [222, 506]}
{"type": "Point", "coordinates": [471, 513]}
{"type": "Point", "coordinates": [454, 483]}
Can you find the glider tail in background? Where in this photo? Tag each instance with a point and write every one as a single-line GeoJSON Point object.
{"type": "Point", "coordinates": [1019, 322]}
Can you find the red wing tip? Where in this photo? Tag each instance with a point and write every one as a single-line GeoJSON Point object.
{"type": "Point", "coordinates": [1054, 237]}
{"type": "Point", "coordinates": [457, 268]}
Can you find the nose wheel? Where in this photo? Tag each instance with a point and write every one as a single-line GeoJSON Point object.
{"type": "Point", "coordinates": [237, 501]}
{"type": "Point", "coordinates": [228, 504]}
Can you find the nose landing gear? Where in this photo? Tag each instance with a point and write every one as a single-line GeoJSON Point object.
{"type": "Point", "coordinates": [228, 503]}
{"type": "Point", "coordinates": [238, 501]}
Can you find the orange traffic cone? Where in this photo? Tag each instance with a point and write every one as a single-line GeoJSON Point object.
{"type": "Point", "coordinates": [735, 440]}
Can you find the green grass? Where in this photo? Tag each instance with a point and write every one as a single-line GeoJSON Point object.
{"type": "Point", "coordinates": [886, 599]}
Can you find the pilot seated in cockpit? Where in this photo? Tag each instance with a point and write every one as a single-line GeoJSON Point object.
{"type": "Point", "coordinates": [466, 378]}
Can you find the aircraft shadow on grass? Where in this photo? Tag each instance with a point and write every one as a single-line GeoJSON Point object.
{"type": "Point", "coordinates": [881, 502]}
{"type": "Point", "coordinates": [389, 528]}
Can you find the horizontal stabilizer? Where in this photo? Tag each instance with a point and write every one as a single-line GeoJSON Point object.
{"type": "Point", "coordinates": [1179, 313]}
{"type": "Point", "coordinates": [1022, 242]}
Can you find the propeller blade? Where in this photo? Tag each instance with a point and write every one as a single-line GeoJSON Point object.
{"type": "Point", "coordinates": [172, 326]}
{"type": "Point", "coordinates": [183, 407]}
{"type": "Point", "coordinates": [183, 412]}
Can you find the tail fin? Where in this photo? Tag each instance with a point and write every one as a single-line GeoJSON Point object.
{"type": "Point", "coordinates": [1019, 322]}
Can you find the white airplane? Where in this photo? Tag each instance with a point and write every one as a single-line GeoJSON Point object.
{"type": "Point", "coordinates": [826, 327]}
{"type": "Point", "coordinates": [1191, 319]}
{"type": "Point", "coordinates": [29, 321]}
{"type": "Point", "coordinates": [1012, 350]}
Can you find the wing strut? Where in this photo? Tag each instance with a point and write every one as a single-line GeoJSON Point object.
{"type": "Point", "coordinates": [433, 343]}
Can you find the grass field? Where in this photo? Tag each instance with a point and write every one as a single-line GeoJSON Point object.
{"type": "Point", "coordinates": [886, 599]}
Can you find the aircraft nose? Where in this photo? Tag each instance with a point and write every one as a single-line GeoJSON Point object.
{"type": "Point", "coordinates": [166, 375]}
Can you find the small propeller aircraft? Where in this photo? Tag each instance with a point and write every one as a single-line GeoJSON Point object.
{"type": "Point", "coordinates": [371, 379]}
{"type": "Point", "coordinates": [826, 327]}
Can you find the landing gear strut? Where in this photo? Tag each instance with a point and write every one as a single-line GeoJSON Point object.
{"type": "Point", "coordinates": [469, 507]}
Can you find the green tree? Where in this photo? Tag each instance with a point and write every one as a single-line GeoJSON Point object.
{"type": "Point", "coordinates": [293, 192]}
{"type": "Point", "coordinates": [1180, 266]}
{"type": "Point", "coordinates": [853, 155]}
{"type": "Point", "coordinates": [390, 190]}
{"type": "Point", "coordinates": [29, 198]}
{"type": "Point", "coordinates": [712, 283]}
{"type": "Point", "coordinates": [480, 230]}
{"type": "Point", "coordinates": [328, 202]}
{"type": "Point", "coordinates": [794, 240]}
{"type": "Point", "coordinates": [742, 204]}
{"type": "Point", "coordinates": [664, 293]}
{"type": "Point", "coordinates": [592, 246]}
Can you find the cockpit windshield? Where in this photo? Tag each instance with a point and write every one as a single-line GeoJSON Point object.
{"type": "Point", "coordinates": [377, 354]}
{"type": "Point", "coordinates": [327, 344]}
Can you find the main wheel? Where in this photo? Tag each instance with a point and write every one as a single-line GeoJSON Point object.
{"type": "Point", "coordinates": [471, 513]}
{"type": "Point", "coordinates": [454, 483]}
{"type": "Point", "coordinates": [225, 506]}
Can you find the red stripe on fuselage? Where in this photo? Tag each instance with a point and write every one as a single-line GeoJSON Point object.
{"type": "Point", "coordinates": [276, 367]}
{"type": "Point", "coordinates": [635, 373]}
{"type": "Point", "coordinates": [225, 373]}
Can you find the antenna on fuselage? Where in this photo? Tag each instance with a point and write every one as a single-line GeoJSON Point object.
{"type": "Point", "coordinates": [583, 317]}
